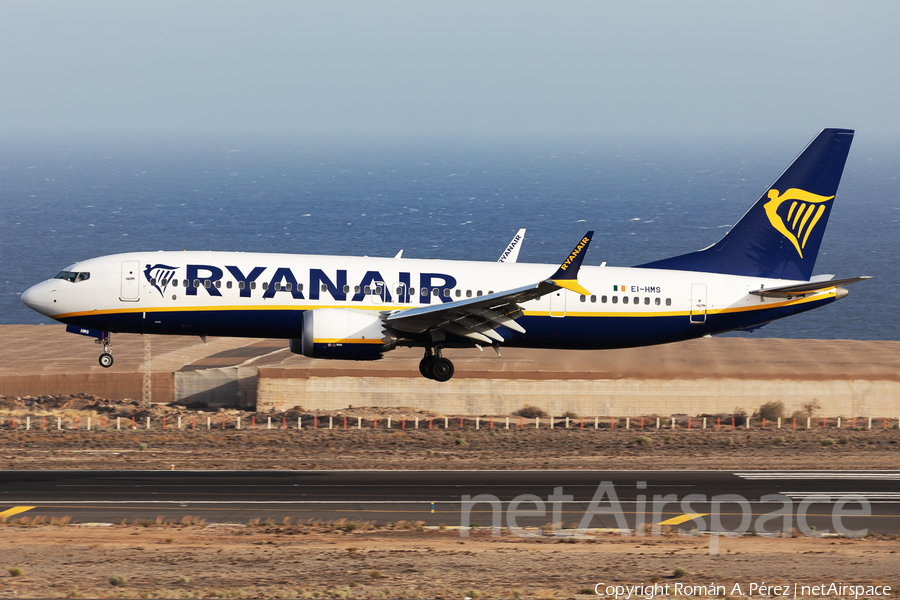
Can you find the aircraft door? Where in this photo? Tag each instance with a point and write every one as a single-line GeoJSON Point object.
{"type": "Point", "coordinates": [558, 303]}
{"type": "Point", "coordinates": [379, 292]}
{"type": "Point", "coordinates": [131, 285]}
{"type": "Point", "coordinates": [698, 303]}
{"type": "Point", "coordinates": [399, 292]}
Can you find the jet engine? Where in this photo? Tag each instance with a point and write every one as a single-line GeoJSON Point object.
{"type": "Point", "coordinates": [343, 333]}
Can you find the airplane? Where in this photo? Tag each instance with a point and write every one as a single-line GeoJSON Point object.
{"type": "Point", "coordinates": [358, 308]}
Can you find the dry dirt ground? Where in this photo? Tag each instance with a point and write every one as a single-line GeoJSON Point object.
{"type": "Point", "coordinates": [291, 561]}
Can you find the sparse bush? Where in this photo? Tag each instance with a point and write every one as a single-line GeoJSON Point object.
{"type": "Point", "coordinates": [828, 442]}
{"type": "Point", "coordinates": [376, 574]}
{"type": "Point", "coordinates": [351, 526]}
{"type": "Point", "coordinates": [117, 580]}
{"type": "Point", "coordinates": [668, 438]}
{"type": "Point", "coordinates": [570, 415]}
{"type": "Point", "coordinates": [474, 525]}
{"type": "Point", "coordinates": [15, 571]}
{"type": "Point", "coordinates": [142, 446]}
{"type": "Point", "coordinates": [184, 579]}
{"type": "Point", "coordinates": [474, 594]}
{"type": "Point", "coordinates": [643, 440]}
{"type": "Point", "coordinates": [729, 442]}
{"type": "Point", "coordinates": [532, 412]}
{"type": "Point", "coordinates": [779, 440]}
{"type": "Point", "coordinates": [354, 583]}
{"type": "Point", "coordinates": [461, 442]}
{"type": "Point", "coordinates": [811, 407]}
{"type": "Point", "coordinates": [770, 411]}
{"type": "Point", "coordinates": [679, 572]}
{"type": "Point", "coordinates": [845, 439]}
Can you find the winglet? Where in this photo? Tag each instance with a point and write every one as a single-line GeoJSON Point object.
{"type": "Point", "coordinates": [566, 275]}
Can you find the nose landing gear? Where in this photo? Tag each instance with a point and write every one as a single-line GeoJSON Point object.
{"type": "Point", "coordinates": [434, 366]}
{"type": "Point", "coordinates": [106, 359]}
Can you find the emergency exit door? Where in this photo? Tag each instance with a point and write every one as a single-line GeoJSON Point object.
{"type": "Point", "coordinates": [698, 303]}
{"type": "Point", "coordinates": [131, 285]}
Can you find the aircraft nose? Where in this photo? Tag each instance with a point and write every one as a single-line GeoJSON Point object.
{"type": "Point", "coordinates": [36, 296]}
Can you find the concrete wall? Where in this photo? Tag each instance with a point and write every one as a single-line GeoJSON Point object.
{"type": "Point", "coordinates": [624, 397]}
{"type": "Point", "coordinates": [114, 386]}
{"type": "Point", "coordinates": [217, 387]}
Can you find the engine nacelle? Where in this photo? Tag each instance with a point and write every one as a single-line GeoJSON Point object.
{"type": "Point", "coordinates": [343, 333]}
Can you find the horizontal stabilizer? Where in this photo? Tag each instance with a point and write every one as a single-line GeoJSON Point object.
{"type": "Point", "coordinates": [806, 288]}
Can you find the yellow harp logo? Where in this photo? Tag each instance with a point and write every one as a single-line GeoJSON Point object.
{"type": "Point", "coordinates": [805, 211]}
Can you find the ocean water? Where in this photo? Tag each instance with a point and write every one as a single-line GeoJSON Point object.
{"type": "Point", "coordinates": [64, 199]}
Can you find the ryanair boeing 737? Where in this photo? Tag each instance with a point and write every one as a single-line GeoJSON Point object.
{"type": "Point", "coordinates": [351, 308]}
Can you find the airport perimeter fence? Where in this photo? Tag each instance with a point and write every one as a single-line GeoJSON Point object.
{"type": "Point", "coordinates": [310, 422]}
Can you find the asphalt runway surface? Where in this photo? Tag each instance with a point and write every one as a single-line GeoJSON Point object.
{"type": "Point", "coordinates": [817, 500]}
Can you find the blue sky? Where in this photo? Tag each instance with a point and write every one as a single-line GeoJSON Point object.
{"type": "Point", "coordinates": [433, 67]}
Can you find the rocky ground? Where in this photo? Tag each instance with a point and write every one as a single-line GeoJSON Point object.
{"type": "Point", "coordinates": [254, 446]}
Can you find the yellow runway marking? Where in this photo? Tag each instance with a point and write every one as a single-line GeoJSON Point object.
{"type": "Point", "coordinates": [14, 511]}
{"type": "Point", "coordinates": [682, 518]}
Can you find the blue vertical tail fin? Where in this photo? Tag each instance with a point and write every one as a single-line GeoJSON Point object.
{"type": "Point", "coordinates": [779, 236]}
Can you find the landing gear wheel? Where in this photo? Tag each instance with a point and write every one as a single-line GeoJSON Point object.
{"type": "Point", "coordinates": [425, 366]}
{"type": "Point", "coordinates": [106, 360]}
{"type": "Point", "coordinates": [441, 369]}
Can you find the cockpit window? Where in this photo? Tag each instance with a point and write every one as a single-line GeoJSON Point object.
{"type": "Point", "coordinates": [72, 276]}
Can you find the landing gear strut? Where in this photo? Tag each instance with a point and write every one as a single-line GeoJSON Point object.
{"type": "Point", "coordinates": [434, 366]}
{"type": "Point", "coordinates": [106, 359]}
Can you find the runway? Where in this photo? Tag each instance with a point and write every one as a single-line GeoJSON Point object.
{"type": "Point", "coordinates": [684, 499]}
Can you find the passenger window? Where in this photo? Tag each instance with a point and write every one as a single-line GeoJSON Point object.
{"type": "Point", "coordinates": [196, 283]}
{"type": "Point", "coordinates": [378, 290]}
{"type": "Point", "coordinates": [446, 293]}
{"type": "Point", "coordinates": [603, 299]}
{"type": "Point", "coordinates": [367, 290]}
{"type": "Point", "coordinates": [186, 283]}
{"type": "Point", "coordinates": [656, 301]}
{"type": "Point", "coordinates": [347, 289]}
{"type": "Point", "coordinates": [582, 297]}
{"type": "Point", "coordinates": [637, 300]}
{"type": "Point", "coordinates": [153, 281]}
{"type": "Point", "coordinates": [252, 285]}
{"type": "Point", "coordinates": [299, 287]}
{"type": "Point", "coordinates": [624, 299]}
{"type": "Point", "coordinates": [412, 292]}
{"type": "Point", "coordinates": [647, 300]}
{"type": "Point", "coordinates": [668, 302]}
{"type": "Point", "coordinates": [219, 284]}
{"type": "Point", "coordinates": [399, 290]}
{"type": "Point", "coordinates": [228, 284]}
{"type": "Point", "coordinates": [278, 287]}
{"type": "Point", "coordinates": [165, 282]}
{"type": "Point", "coordinates": [174, 283]}
{"type": "Point", "coordinates": [206, 283]}
{"type": "Point", "coordinates": [468, 293]}
{"type": "Point", "coordinates": [265, 285]}
{"type": "Point", "coordinates": [593, 298]}
{"type": "Point", "coordinates": [435, 292]}
{"type": "Point", "coordinates": [241, 285]}
{"type": "Point", "coordinates": [478, 293]}
{"type": "Point", "coordinates": [615, 299]}
{"type": "Point", "coordinates": [458, 292]}
{"type": "Point", "coordinates": [324, 287]}
{"type": "Point", "coordinates": [490, 292]}
{"type": "Point", "coordinates": [424, 291]}
{"type": "Point", "coordinates": [288, 286]}
{"type": "Point", "coordinates": [356, 289]}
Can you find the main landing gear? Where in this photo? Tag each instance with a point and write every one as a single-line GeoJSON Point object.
{"type": "Point", "coordinates": [434, 366]}
{"type": "Point", "coordinates": [106, 359]}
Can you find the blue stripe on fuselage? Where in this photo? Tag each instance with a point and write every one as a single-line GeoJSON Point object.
{"type": "Point", "coordinates": [570, 332]}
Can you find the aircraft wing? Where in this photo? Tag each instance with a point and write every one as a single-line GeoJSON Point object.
{"type": "Point", "coordinates": [478, 318]}
{"type": "Point", "coordinates": [511, 254]}
{"type": "Point", "coordinates": [806, 288]}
